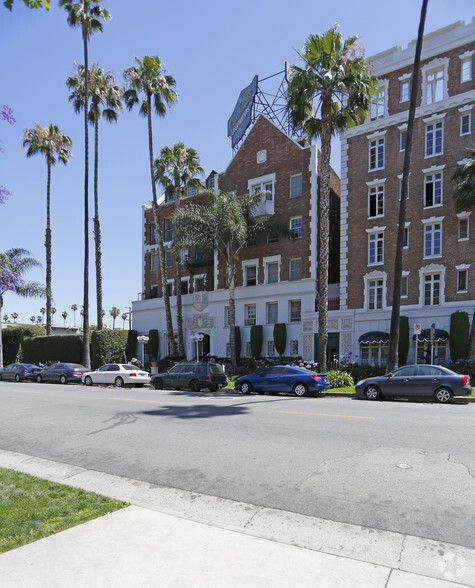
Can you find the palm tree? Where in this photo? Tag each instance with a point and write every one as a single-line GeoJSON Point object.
{"type": "Point", "coordinates": [43, 311]}
{"type": "Point", "coordinates": [74, 307]}
{"type": "Point", "coordinates": [114, 312]}
{"type": "Point", "coordinates": [64, 315]}
{"type": "Point", "coordinates": [148, 79]}
{"type": "Point", "coordinates": [124, 318]}
{"type": "Point", "coordinates": [392, 362]}
{"type": "Point", "coordinates": [14, 263]}
{"type": "Point", "coordinates": [105, 95]}
{"type": "Point", "coordinates": [53, 311]}
{"type": "Point", "coordinates": [5, 318]}
{"type": "Point", "coordinates": [223, 225]}
{"type": "Point", "coordinates": [86, 14]}
{"type": "Point", "coordinates": [464, 199]}
{"type": "Point", "coordinates": [54, 145]}
{"type": "Point", "coordinates": [33, 320]}
{"type": "Point", "coordinates": [327, 95]}
{"type": "Point", "coordinates": [176, 170]}
{"type": "Point", "coordinates": [14, 316]}
{"type": "Point", "coordinates": [39, 320]}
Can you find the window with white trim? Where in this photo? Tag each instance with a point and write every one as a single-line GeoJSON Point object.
{"type": "Point", "coordinates": [270, 349]}
{"type": "Point", "coordinates": [434, 86]}
{"type": "Point", "coordinates": [184, 256]}
{"type": "Point", "coordinates": [295, 309]}
{"type": "Point", "coordinates": [466, 67]}
{"type": "Point", "coordinates": [402, 140]}
{"type": "Point", "coordinates": [463, 229]}
{"type": "Point", "coordinates": [375, 289]}
{"type": "Point", "coordinates": [406, 236]}
{"type": "Point", "coordinates": [404, 286]}
{"type": "Point", "coordinates": [199, 284]}
{"type": "Point", "coordinates": [433, 189]}
{"type": "Point", "coordinates": [374, 353]}
{"type": "Point", "coordinates": [272, 309]}
{"type": "Point", "coordinates": [378, 104]}
{"type": "Point", "coordinates": [405, 88]}
{"type": "Point", "coordinates": [168, 258]}
{"type": "Point", "coordinates": [296, 186]}
{"type": "Point", "coordinates": [466, 123]}
{"type": "Point", "coordinates": [462, 280]}
{"type": "Point", "coordinates": [432, 289]}
{"type": "Point", "coordinates": [251, 275]}
{"type": "Point", "coordinates": [170, 289]}
{"type": "Point", "coordinates": [272, 272]}
{"type": "Point", "coordinates": [153, 234]}
{"type": "Point", "coordinates": [263, 185]}
{"type": "Point", "coordinates": [434, 139]}
{"type": "Point", "coordinates": [250, 314]}
{"type": "Point", "coordinates": [433, 240]}
{"type": "Point", "coordinates": [295, 269]}
{"type": "Point", "coordinates": [376, 201]}
{"type": "Point", "coordinates": [168, 230]}
{"type": "Point", "coordinates": [376, 154]}
{"type": "Point", "coordinates": [294, 347]}
{"type": "Point", "coordinates": [154, 262]}
{"type": "Point", "coordinates": [296, 227]}
{"type": "Point", "coordinates": [375, 248]}
{"type": "Point", "coordinates": [184, 287]}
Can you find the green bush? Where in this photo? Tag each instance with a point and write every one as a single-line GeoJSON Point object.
{"type": "Point", "coordinates": [131, 346]}
{"type": "Point", "coordinates": [361, 372]}
{"type": "Point", "coordinates": [280, 338]}
{"type": "Point", "coordinates": [108, 346]}
{"type": "Point", "coordinates": [403, 346]}
{"type": "Point", "coordinates": [459, 335]}
{"type": "Point", "coordinates": [65, 348]}
{"type": "Point", "coordinates": [13, 337]}
{"type": "Point", "coordinates": [257, 338]}
{"type": "Point", "coordinates": [340, 379]}
{"type": "Point", "coordinates": [153, 344]}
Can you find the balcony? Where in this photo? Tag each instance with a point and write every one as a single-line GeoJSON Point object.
{"type": "Point", "coordinates": [263, 208]}
{"type": "Point", "coordinates": [333, 304]}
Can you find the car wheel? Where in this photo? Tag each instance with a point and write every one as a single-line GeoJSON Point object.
{"type": "Point", "coordinates": [119, 382]}
{"type": "Point", "coordinates": [245, 387]}
{"type": "Point", "coordinates": [63, 379]}
{"type": "Point", "coordinates": [213, 388]}
{"type": "Point", "coordinates": [300, 389]}
{"type": "Point", "coordinates": [443, 395]}
{"type": "Point", "coordinates": [39, 379]}
{"type": "Point", "coordinates": [88, 381]}
{"type": "Point", "coordinates": [372, 393]}
{"type": "Point", "coordinates": [195, 386]}
{"type": "Point", "coordinates": [158, 384]}
{"type": "Point", "coordinates": [17, 378]}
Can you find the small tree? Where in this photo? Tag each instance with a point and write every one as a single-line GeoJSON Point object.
{"type": "Point", "coordinates": [65, 314]}
{"type": "Point", "coordinates": [74, 307]}
{"type": "Point", "coordinates": [459, 335]}
{"type": "Point", "coordinates": [153, 344]}
{"type": "Point", "coordinates": [257, 338]}
{"type": "Point", "coordinates": [14, 316]}
{"type": "Point", "coordinates": [114, 312]}
{"type": "Point", "coordinates": [280, 338]}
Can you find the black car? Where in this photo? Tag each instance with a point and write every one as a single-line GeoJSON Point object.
{"type": "Point", "coordinates": [435, 381]}
{"type": "Point", "coordinates": [191, 376]}
{"type": "Point", "coordinates": [19, 371]}
{"type": "Point", "coordinates": [62, 373]}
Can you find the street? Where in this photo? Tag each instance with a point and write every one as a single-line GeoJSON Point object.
{"type": "Point", "coordinates": [400, 466]}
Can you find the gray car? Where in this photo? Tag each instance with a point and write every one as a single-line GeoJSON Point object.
{"type": "Point", "coordinates": [62, 373]}
{"type": "Point", "coordinates": [19, 371]}
{"type": "Point", "coordinates": [434, 381]}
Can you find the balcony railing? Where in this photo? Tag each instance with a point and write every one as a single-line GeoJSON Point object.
{"type": "Point", "coordinates": [333, 304]}
{"type": "Point", "coordinates": [263, 208]}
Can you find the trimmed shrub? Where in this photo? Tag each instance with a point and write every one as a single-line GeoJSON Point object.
{"type": "Point", "coordinates": [257, 338]}
{"type": "Point", "coordinates": [403, 345]}
{"type": "Point", "coordinates": [280, 338]}
{"type": "Point", "coordinates": [153, 344]}
{"type": "Point", "coordinates": [131, 346]}
{"type": "Point", "coordinates": [360, 372]}
{"type": "Point", "coordinates": [108, 346]}
{"type": "Point", "coordinates": [65, 348]}
{"type": "Point", "coordinates": [459, 335]}
{"type": "Point", "coordinates": [339, 379]}
{"type": "Point", "coordinates": [12, 339]}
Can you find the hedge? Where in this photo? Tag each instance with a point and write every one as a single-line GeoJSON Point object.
{"type": "Point", "coordinates": [48, 349]}
{"type": "Point", "coordinates": [13, 337]}
{"type": "Point", "coordinates": [153, 344]}
{"type": "Point", "coordinates": [280, 338]}
{"type": "Point", "coordinates": [109, 346]}
{"type": "Point", "coordinates": [257, 338]}
{"type": "Point", "coordinates": [403, 346]}
{"type": "Point", "coordinates": [131, 346]}
{"type": "Point", "coordinates": [459, 335]}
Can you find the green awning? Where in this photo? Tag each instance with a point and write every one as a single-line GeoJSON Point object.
{"type": "Point", "coordinates": [439, 335]}
{"type": "Point", "coordinates": [374, 337]}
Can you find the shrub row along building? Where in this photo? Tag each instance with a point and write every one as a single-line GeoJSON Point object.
{"type": "Point", "coordinates": [277, 274]}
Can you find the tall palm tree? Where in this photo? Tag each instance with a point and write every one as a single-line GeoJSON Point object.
{"type": "Point", "coordinates": [14, 263]}
{"type": "Point", "coordinates": [74, 307]}
{"type": "Point", "coordinates": [14, 316]}
{"type": "Point", "coordinates": [64, 315]}
{"type": "Point", "coordinates": [327, 95]}
{"type": "Point", "coordinates": [392, 362]}
{"type": "Point", "coordinates": [88, 15]}
{"type": "Point", "coordinates": [105, 101]}
{"type": "Point", "coordinates": [148, 80]}
{"type": "Point", "coordinates": [464, 199]}
{"type": "Point", "coordinates": [224, 225]}
{"type": "Point", "coordinates": [176, 170]}
{"type": "Point", "coordinates": [114, 312]}
{"type": "Point", "coordinates": [124, 318]}
{"type": "Point", "coordinates": [5, 318]}
{"type": "Point", "coordinates": [53, 312]}
{"type": "Point", "coordinates": [43, 311]}
{"type": "Point", "coordinates": [55, 146]}
{"type": "Point", "coordinates": [33, 320]}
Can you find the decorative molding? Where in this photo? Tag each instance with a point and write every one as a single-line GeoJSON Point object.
{"type": "Point", "coordinates": [307, 326]}
{"type": "Point", "coordinates": [346, 324]}
{"type": "Point", "coordinates": [200, 322]}
{"type": "Point", "coordinates": [261, 156]}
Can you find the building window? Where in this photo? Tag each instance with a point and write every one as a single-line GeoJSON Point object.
{"type": "Point", "coordinates": [270, 349]}
{"type": "Point", "coordinates": [294, 347]}
{"type": "Point", "coordinates": [431, 289]}
{"type": "Point", "coordinates": [296, 186]}
{"type": "Point", "coordinates": [375, 248]}
{"type": "Point", "coordinates": [170, 288]}
{"type": "Point", "coordinates": [184, 287]}
{"type": "Point", "coordinates": [226, 318]}
{"type": "Point", "coordinates": [295, 307]}
{"type": "Point", "coordinates": [295, 269]}
{"type": "Point", "coordinates": [168, 228]}
{"type": "Point", "coordinates": [400, 187]}
{"type": "Point", "coordinates": [153, 291]}
{"type": "Point", "coordinates": [404, 286]}
{"type": "Point", "coordinates": [250, 314]}
{"type": "Point", "coordinates": [154, 262]}
{"type": "Point", "coordinates": [463, 229]}
{"type": "Point", "coordinates": [251, 275]}
{"type": "Point", "coordinates": [272, 272]}
{"type": "Point", "coordinates": [374, 353]}
{"type": "Point", "coordinates": [466, 70]}
{"type": "Point", "coordinates": [272, 237]}
{"type": "Point", "coordinates": [264, 188]}
{"type": "Point", "coordinates": [434, 139]}
{"type": "Point", "coordinates": [462, 280]}
{"type": "Point", "coordinates": [433, 189]}
{"type": "Point", "coordinates": [271, 313]}
{"type": "Point", "coordinates": [296, 227]}
{"type": "Point", "coordinates": [375, 294]}
{"type": "Point", "coordinates": [433, 240]}
{"type": "Point", "coordinates": [434, 86]}
{"type": "Point", "coordinates": [376, 201]}
{"type": "Point", "coordinates": [402, 140]}
{"type": "Point", "coordinates": [466, 123]}
{"type": "Point", "coordinates": [378, 104]}
{"type": "Point", "coordinates": [406, 237]}
{"type": "Point", "coordinates": [190, 191]}
{"type": "Point", "coordinates": [405, 86]}
{"type": "Point", "coordinates": [376, 154]}
{"type": "Point", "coordinates": [200, 284]}
{"type": "Point", "coordinates": [153, 234]}
{"type": "Point", "coordinates": [168, 258]}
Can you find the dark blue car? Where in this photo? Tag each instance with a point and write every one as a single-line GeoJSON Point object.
{"type": "Point", "coordinates": [283, 378]}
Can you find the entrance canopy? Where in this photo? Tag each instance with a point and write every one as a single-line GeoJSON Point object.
{"type": "Point", "coordinates": [439, 335]}
{"type": "Point", "coordinates": [374, 337]}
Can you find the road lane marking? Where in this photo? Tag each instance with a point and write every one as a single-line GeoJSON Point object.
{"type": "Point", "coordinates": [342, 416]}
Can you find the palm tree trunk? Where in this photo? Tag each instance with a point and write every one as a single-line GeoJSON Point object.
{"type": "Point", "coordinates": [48, 247]}
{"type": "Point", "coordinates": [85, 347]}
{"type": "Point", "coordinates": [179, 307]}
{"type": "Point", "coordinates": [396, 302]}
{"type": "Point", "coordinates": [324, 235]}
{"type": "Point", "coordinates": [97, 225]}
{"type": "Point", "coordinates": [231, 274]}
{"type": "Point", "coordinates": [471, 341]}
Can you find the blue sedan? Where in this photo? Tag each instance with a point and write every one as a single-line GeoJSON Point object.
{"type": "Point", "coordinates": [283, 378]}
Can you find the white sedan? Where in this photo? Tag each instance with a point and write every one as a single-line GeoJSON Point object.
{"type": "Point", "coordinates": [119, 374]}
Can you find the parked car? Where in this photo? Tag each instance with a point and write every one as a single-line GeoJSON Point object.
{"type": "Point", "coordinates": [433, 381]}
{"type": "Point", "coordinates": [19, 371]}
{"type": "Point", "coordinates": [120, 374]}
{"type": "Point", "coordinates": [62, 373]}
{"type": "Point", "coordinates": [283, 378]}
{"type": "Point", "coordinates": [192, 376]}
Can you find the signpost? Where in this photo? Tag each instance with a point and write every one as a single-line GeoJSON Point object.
{"type": "Point", "coordinates": [417, 332]}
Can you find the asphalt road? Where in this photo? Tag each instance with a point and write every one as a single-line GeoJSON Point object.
{"type": "Point", "coordinates": [400, 466]}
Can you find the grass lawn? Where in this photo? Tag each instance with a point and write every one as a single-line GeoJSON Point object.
{"type": "Point", "coordinates": [31, 508]}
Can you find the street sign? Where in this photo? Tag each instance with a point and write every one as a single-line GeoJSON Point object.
{"type": "Point", "coordinates": [417, 328]}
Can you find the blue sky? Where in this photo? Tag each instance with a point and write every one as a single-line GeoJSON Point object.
{"type": "Point", "coordinates": [213, 48]}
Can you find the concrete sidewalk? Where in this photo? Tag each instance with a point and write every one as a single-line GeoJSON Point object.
{"type": "Point", "coordinates": [171, 537]}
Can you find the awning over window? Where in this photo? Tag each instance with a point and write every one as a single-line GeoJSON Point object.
{"type": "Point", "coordinates": [374, 337]}
{"type": "Point", "coordinates": [439, 335]}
